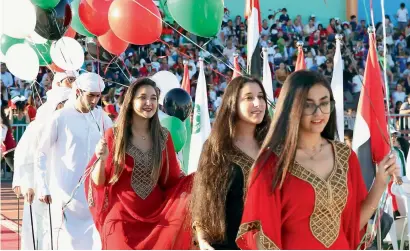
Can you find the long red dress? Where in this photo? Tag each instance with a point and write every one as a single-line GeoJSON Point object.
{"type": "Point", "coordinates": [137, 212]}
{"type": "Point", "coordinates": [307, 212]}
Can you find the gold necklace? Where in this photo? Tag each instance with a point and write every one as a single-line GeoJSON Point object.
{"type": "Point", "coordinates": [312, 157]}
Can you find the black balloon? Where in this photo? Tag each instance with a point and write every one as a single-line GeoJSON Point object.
{"type": "Point", "coordinates": [97, 52]}
{"type": "Point", "coordinates": [178, 103]}
{"type": "Point", "coordinates": [53, 23]}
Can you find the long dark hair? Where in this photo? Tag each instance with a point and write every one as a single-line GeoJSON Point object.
{"type": "Point", "coordinates": [404, 145]}
{"type": "Point", "coordinates": [123, 132]}
{"type": "Point", "coordinates": [282, 137]}
{"type": "Point", "coordinates": [211, 179]}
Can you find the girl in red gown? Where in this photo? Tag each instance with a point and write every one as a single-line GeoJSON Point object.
{"type": "Point", "coordinates": [306, 191]}
{"type": "Point", "coordinates": [137, 193]}
{"type": "Point", "coordinates": [239, 129]}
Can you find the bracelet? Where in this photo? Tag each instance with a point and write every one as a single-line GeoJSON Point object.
{"type": "Point", "coordinates": [374, 208]}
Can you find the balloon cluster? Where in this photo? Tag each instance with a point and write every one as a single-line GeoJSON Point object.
{"type": "Point", "coordinates": [41, 32]}
{"type": "Point", "coordinates": [177, 105]}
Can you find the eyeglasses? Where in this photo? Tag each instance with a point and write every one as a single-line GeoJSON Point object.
{"type": "Point", "coordinates": [325, 107]}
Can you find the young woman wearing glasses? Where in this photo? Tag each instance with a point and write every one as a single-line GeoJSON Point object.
{"type": "Point", "coordinates": [306, 190]}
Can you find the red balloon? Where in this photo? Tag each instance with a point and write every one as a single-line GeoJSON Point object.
{"type": "Point", "coordinates": [55, 68]}
{"type": "Point", "coordinates": [100, 5]}
{"type": "Point", "coordinates": [95, 22]}
{"type": "Point", "coordinates": [112, 43]}
{"type": "Point", "coordinates": [133, 23]}
{"type": "Point", "coordinates": [70, 32]}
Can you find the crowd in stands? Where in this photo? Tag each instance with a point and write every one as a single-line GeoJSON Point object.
{"type": "Point", "coordinates": [280, 33]}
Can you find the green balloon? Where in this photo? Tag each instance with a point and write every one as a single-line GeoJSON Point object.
{"type": "Point", "coordinates": [200, 17]}
{"type": "Point", "coordinates": [177, 129]}
{"type": "Point", "coordinates": [76, 23]}
{"type": "Point", "coordinates": [43, 52]}
{"type": "Point", "coordinates": [6, 42]}
{"type": "Point", "coordinates": [45, 4]}
{"type": "Point", "coordinates": [164, 8]}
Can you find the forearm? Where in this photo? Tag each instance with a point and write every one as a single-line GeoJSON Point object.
{"type": "Point", "coordinates": [98, 174]}
{"type": "Point", "coordinates": [371, 202]}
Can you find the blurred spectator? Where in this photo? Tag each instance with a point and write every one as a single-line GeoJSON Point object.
{"type": "Point", "coordinates": [402, 16]}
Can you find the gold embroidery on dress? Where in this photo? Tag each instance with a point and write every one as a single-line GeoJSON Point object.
{"type": "Point", "coordinates": [330, 196]}
{"type": "Point", "coordinates": [241, 159]}
{"type": "Point", "coordinates": [141, 179]}
{"type": "Point", "coordinates": [266, 243]}
{"type": "Point", "coordinates": [90, 194]}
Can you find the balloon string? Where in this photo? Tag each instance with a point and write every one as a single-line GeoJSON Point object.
{"type": "Point", "coordinates": [106, 68]}
{"type": "Point", "coordinates": [180, 52]}
{"type": "Point", "coordinates": [99, 86]}
{"type": "Point", "coordinates": [240, 66]}
{"type": "Point", "coordinates": [35, 87]}
{"type": "Point", "coordinates": [123, 73]}
{"type": "Point", "coordinates": [126, 68]}
{"type": "Point", "coordinates": [190, 40]}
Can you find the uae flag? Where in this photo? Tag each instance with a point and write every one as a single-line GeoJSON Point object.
{"type": "Point", "coordinates": [371, 138]}
{"type": "Point", "coordinates": [186, 84]}
{"type": "Point", "coordinates": [254, 29]}
{"type": "Point", "coordinates": [237, 69]}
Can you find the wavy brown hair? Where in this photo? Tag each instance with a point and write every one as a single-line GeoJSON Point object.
{"type": "Point", "coordinates": [284, 129]}
{"type": "Point", "coordinates": [123, 131]}
{"type": "Point", "coordinates": [211, 179]}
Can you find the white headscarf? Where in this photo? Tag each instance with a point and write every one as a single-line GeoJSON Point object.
{"type": "Point", "coordinates": [90, 82]}
{"type": "Point", "coordinates": [54, 97]}
{"type": "Point", "coordinates": [27, 146]}
{"type": "Point", "coordinates": [60, 76]}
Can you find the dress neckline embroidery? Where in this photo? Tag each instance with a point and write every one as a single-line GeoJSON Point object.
{"type": "Point", "coordinates": [330, 196]}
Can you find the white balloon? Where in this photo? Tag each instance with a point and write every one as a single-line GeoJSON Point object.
{"type": "Point", "coordinates": [35, 38]}
{"type": "Point", "coordinates": [18, 18]}
{"type": "Point", "coordinates": [165, 81]}
{"type": "Point", "coordinates": [2, 57]}
{"type": "Point", "coordinates": [22, 61]}
{"type": "Point", "coordinates": [67, 54]}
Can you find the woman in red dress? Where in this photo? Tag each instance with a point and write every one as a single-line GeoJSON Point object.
{"type": "Point", "coordinates": [31, 108]}
{"type": "Point", "coordinates": [306, 191]}
{"type": "Point", "coordinates": [137, 192]}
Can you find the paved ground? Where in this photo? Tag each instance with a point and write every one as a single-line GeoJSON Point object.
{"type": "Point", "coordinates": [9, 217]}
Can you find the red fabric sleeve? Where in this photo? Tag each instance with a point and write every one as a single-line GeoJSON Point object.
{"type": "Point", "coordinates": [359, 192]}
{"type": "Point", "coordinates": [97, 195]}
{"type": "Point", "coordinates": [171, 172]}
{"type": "Point", "coordinates": [261, 220]}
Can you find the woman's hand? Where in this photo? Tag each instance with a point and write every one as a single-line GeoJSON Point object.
{"type": "Point", "coordinates": [101, 150]}
{"type": "Point", "coordinates": [387, 168]}
{"type": "Point", "coordinates": [202, 243]}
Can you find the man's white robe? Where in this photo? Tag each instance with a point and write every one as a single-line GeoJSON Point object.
{"type": "Point", "coordinates": [24, 175]}
{"type": "Point", "coordinates": [69, 142]}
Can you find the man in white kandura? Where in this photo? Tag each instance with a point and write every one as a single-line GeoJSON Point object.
{"type": "Point", "coordinates": [69, 141]}
{"type": "Point", "coordinates": [24, 176]}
